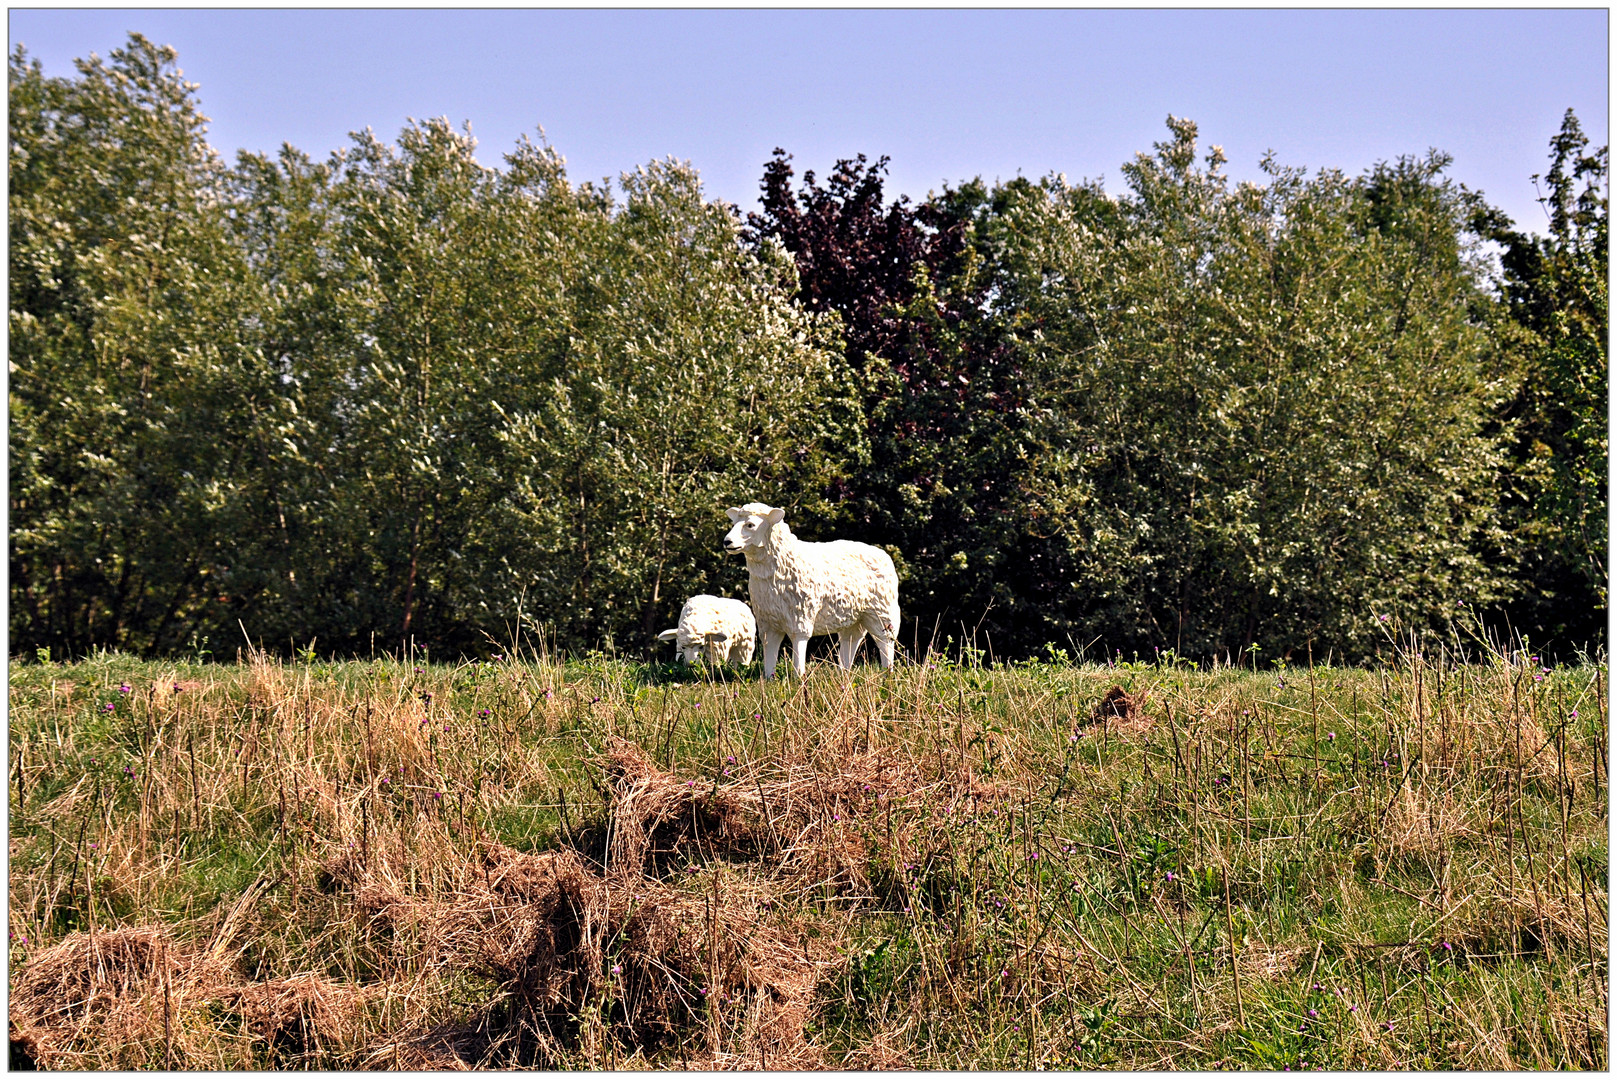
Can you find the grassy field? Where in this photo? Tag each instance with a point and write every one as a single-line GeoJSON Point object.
{"type": "Point", "coordinates": [606, 864]}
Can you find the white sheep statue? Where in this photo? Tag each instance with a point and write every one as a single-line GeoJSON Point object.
{"type": "Point", "coordinates": [800, 589]}
{"type": "Point", "coordinates": [719, 628]}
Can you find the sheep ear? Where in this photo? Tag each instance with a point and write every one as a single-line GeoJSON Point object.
{"type": "Point", "coordinates": [718, 636]}
{"type": "Point", "coordinates": [668, 635]}
{"type": "Point", "coordinates": [775, 516]}
{"type": "Point", "coordinates": [736, 514]}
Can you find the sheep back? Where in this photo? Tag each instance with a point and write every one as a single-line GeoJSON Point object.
{"type": "Point", "coordinates": [823, 588]}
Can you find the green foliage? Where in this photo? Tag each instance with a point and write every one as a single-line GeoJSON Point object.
{"type": "Point", "coordinates": [397, 398]}
{"type": "Point", "coordinates": [131, 355]}
{"type": "Point", "coordinates": [1554, 320]}
{"type": "Point", "coordinates": [690, 383]}
{"type": "Point", "coordinates": [1249, 434]}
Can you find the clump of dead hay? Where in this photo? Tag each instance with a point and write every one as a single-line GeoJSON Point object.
{"type": "Point", "coordinates": [1121, 711]}
{"type": "Point", "coordinates": [92, 987]}
{"type": "Point", "coordinates": [132, 987]}
{"type": "Point", "coordinates": [302, 1016]}
{"type": "Point", "coordinates": [656, 962]}
{"type": "Point", "coordinates": [803, 820]}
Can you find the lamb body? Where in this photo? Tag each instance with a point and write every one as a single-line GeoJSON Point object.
{"type": "Point", "coordinates": [722, 629]}
{"type": "Point", "coordinates": [799, 589]}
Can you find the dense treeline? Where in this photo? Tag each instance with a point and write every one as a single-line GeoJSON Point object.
{"type": "Point", "coordinates": [396, 395]}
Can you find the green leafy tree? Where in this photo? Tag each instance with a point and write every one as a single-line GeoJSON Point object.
{"type": "Point", "coordinates": [1554, 290]}
{"type": "Point", "coordinates": [946, 401]}
{"type": "Point", "coordinates": [516, 401]}
{"type": "Point", "coordinates": [690, 382]}
{"type": "Point", "coordinates": [1266, 405]}
{"type": "Point", "coordinates": [133, 380]}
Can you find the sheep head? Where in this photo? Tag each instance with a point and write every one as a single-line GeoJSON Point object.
{"type": "Point", "coordinates": [750, 526]}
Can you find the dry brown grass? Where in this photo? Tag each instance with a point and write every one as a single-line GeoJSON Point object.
{"type": "Point", "coordinates": [135, 993]}
{"type": "Point", "coordinates": [537, 865]}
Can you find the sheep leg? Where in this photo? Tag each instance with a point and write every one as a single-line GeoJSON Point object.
{"type": "Point", "coordinates": [772, 642]}
{"type": "Point", "coordinates": [884, 630]}
{"type": "Point", "coordinates": [741, 651]}
{"type": "Point", "coordinates": [850, 640]}
{"type": "Point", "coordinates": [800, 654]}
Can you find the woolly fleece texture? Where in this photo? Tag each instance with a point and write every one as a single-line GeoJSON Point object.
{"type": "Point", "coordinates": [800, 589]}
{"type": "Point", "coordinates": [723, 629]}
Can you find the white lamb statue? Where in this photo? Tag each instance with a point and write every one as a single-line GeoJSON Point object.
{"type": "Point", "coordinates": [801, 589]}
{"type": "Point", "coordinates": [722, 629]}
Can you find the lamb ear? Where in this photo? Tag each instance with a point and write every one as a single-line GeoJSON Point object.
{"type": "Point", "coordinates": [736, 514]}
{"type": "Point", "coordinates": [668, 635]}
{"type": "Point", "coordinates": [775, 516]}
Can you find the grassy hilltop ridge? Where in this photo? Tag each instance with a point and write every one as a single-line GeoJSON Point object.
{"type": "Point", "coordinates": [605, 864]}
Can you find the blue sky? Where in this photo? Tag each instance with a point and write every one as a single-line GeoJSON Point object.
{"type": "Point", "coordinates": [947, 94]}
